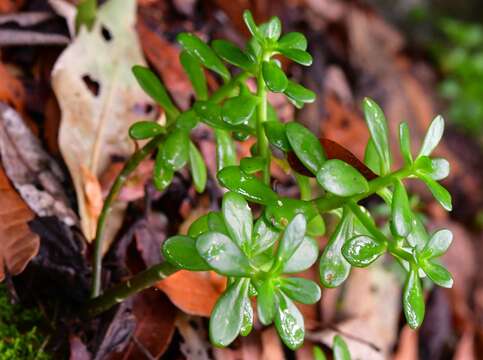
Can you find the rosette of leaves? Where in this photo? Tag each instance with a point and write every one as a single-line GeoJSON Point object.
{"type": "Point", "coordinates": [257, 260]}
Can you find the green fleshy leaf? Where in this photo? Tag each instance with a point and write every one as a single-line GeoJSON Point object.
{"type": "Point", "coordinates": [289, 322]}
{"type": "Point", "coordinates": [152, 86]}
{"type": "Point", "coordinates": [226, 320]}
{"type": "Point", "coordinates": [232, 54]}
{"type": "Point", "coordinates": [437, 273]}
{"type": "Point", "coordinates": [199, 226]}
{"type": "Point", "coordinates": [249, 186]}
{"type": "Point", "coordinates": [303, 258]}
{"type": "Point", "coordinates": [436, 168]}
{"type": "Point", "coordinates": [371, 158]}
{"type": "Point", "coordinates": [318, 353]}
{"type": "Point", "coordinates": [362, 250]}
{"type": "Point", "coordinates": [239, 109]}
{"type": "Point", "coordinates": [175, 151]}
{"type": "Point", "coordinates": [216, 222]}
{"type": "Point", "coordinates": [377, 124]}
{"type": "Point", "coordinates": [266, 302]}
{"type": "Point", "coordinates": [293, 40]}
{"type": "Point", "coordinates": [300, 93]}
{"type": "Point", "coordinates": [413, 299]}
{"type": "Point", "coordinates": [252, 165]}
{"type": "Point", "coordinates": [334, 268]}
{"type": "Point", "coordinates": [405, 143]}
{"type": "Point", "coordinates": [279, 213]}
{"type": "Point", "coordinates": [181, 252]}
{"type": "Point", "coordinates": [316, 226]}
{"type": "Point", "coordinates": [438, 191]}
{"type": "Point", "coordinates": [264, 236]}
{"type": "Point", "coordinates": [341, 351]}
{"type": "Point", "coordinates": [274, 77]}
{"type": "Point", "coordinates": [198, 168]}
{"type": "Point", "coordinates": [301, 290]}
{"type": "Point", "coordinates": [306, 146]}
{"type": "Point", "coordinates": [276, 135]}
{"type": "Point", "coordinates": [187, 120]}
{"type": "Point", "coordinates": [162, 174]}
{"type": "Point", "coordinates": [272, 29]}
{"type": "Point", "coordinates": [299, 56]}
{"type": "Point", "coordinates": [433, 136]}
{"type": "Point", "coordinates": [401, 215]}
{"type": "Point", "coordinates": [225, 150]}
{"type": "Point", "coordinates": [195, 73]}
{"type": "Point", "coordinates": [418, 237]}
{"type": "Point", "coordinates": [247, 323]}
{"type": "Point", "coordinates": [292, 238]}
{"type": "Point", "coordinates": [340, 178]}
{"type": "Point", "coordinates": [251, 25]}
{"type": "Point", "coordinates": [437, 245]}
{"type": "Point", "coordinates": [238, 219]}
{"type": "Point", "coordinates": [222, 254]}
{"type": "Point", "coordinates": [203, 53]}
{"type": "Point", "coordinates": [145, 130]}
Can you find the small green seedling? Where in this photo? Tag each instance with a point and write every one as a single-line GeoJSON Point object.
{"type": "Point", "coordinates": [260, 255]}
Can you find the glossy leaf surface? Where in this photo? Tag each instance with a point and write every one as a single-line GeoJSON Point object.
{"type": "Point", "coordinates": [413, 300]}
{"type": "Point", "coordinates": [222, 254]}
{"type": "Point", "coordinates": [201, 51]}
{"type": "Point", "coordinates": [299, 56]}
{"type": "Point", "coordinates": [362, 250]}
{"type": "Point", "coordinates": [293, 40]}
{"type": "Point", "coordinates": [232, 54]}
{"type": "Point", "coordinates": [266, 302]}
{"type": "Point", "coordinates": [195, 73]}
{"type": "Point", "coordinates": [181, 251]}
{"type": "Point", "coordinates": [274, 77]}
{"type": "Point", "coordinates": [227, 317]}
{"type": "Point", "coordinates": [339, 178]}
{"type": "Point", "coordinates": [238, 219]}
{"type": "Point", "coordinates": [239, 109]}
{"type": "Point", "coordinates": [303, 258]}
{"type": "Point", "coordinates": [198, 168]}
{"type": "Point", "coordinates": [289, 322]}
{"type": "Point", "coordinates": [433, 136]}
{"type": "Point", "coordinates": [306, 146]}
{"type": "Point", "coordinates": [377, 124]}
{"type": "Point", "coordinates": [401, 215]}
{"type": "Point", "coordinates": [249, 186]}
{"type": "Point", "coordinates": [301, 290]}
{"type": "Point", "coordinates": [175, 151]}
{"type": "Point", "coordinates": [276, 135]}
{"type": "Point", "coordinates": [145, 130]}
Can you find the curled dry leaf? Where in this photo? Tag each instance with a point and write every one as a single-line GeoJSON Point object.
{"type": "Point", "coordinates": [195, 293]}
{"type": "Point", "coordinates": [17, 243]}
{"type": "Point", "coordinates": [36, 175]}
{"type": "Point", "coordinates": [99, 99]}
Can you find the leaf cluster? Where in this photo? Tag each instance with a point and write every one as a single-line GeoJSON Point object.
{"type": "Point", "coordinates": [258, 256]}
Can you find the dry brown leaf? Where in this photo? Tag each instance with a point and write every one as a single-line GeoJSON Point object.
{"type": "Point", "coordinates": [8, 6]}
{"type": "Point", "coordinates": [195, 345]}
{"type": "Point", "coordinates": [34, 173]}
{"type": "Point", "coordinates": [99, 99]}
{"type": "Point", "coordinates": [368, 294]}
{"type": "Point", "coordinates": [12, 91]}
{"type": "Point", "coordinates": [92, 189]}
{"type": "Point", "coordinates": [155, 325]}
{"type": "Point", "coordinates": [18, 245]}
{"type": "Point", "coordinates": [195, 293]}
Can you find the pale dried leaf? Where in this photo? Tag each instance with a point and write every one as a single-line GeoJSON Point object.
{"type": "Point", "coordinates": [18, 245]}
{"type": "Point", "coordinates": [34, 173]}
{"type": "Point", "coordinates": [369, 293]}
{"type": "Point", "coordinates": [194, 345]}
{"type": "Point", "coordinates": [99, 99]}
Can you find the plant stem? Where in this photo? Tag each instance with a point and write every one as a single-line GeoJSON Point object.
{"type": "Point", "coordinates": [128, 168]}
{"type": "Point", "coordinates": [303, 183]}
{"type": "Point", "coordinates": [367, 222]}
{"type": "Point", "coordinates": [122, 291]}
{"type": "Point", "coordinates": [262, 141]}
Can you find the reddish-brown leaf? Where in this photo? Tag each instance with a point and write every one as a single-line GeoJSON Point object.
{"type": "Point", "coordinates": [155, 325]}
{"type": "Point", "coordinates": [18, 245]}
{"type": "Point", "coordinates": [193, 292]}
{"type": "Point", "coordinates": [12, 91]}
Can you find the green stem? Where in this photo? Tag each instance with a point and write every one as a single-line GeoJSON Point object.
{"type": "Point", "coordinates": [303, 183]}
{"type": "Point", "coordinates": [128, 168]}
{"type": "Point", "coordinates": [122, 291]}
{"type": "Point", "coordinates": [262, 141]}
{"type": "Point", "coordinates": [367, 222]}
